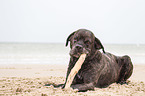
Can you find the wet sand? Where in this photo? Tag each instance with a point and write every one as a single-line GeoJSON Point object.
{"type": "Point", "coordinates": [29, 80]}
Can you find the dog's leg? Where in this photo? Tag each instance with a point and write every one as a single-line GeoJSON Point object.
{"type": "Point", "coordinates": [83, 87]}
{"type": "Point", "coordinates": [126, 70]}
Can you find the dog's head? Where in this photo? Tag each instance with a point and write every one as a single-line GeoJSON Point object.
{"type": "Point", "coordinates": [83, 41]}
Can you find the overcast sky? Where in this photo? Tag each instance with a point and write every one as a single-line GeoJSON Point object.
{"type": "Point", "coordinates": [112, 21]}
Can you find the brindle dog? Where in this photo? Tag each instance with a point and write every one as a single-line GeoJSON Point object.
{"type": "Point", "coordinates": [99, 69]}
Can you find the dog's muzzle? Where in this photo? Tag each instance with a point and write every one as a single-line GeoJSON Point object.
{"type": "Point", "coordinates": [77, 50]}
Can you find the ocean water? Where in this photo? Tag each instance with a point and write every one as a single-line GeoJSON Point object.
{"type": "Point", "coordinates": [47, 53]}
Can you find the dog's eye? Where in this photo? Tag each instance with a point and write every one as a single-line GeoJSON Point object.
{"type": "Point", "coordinates": [87, 43]}
{"type": "Point", "coordinates": [75, 41]}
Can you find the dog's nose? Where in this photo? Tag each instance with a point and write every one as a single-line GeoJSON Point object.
{"type": "Point", "coordinates": [79, 47]}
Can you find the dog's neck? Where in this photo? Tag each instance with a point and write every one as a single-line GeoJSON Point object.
{"type": "Point", "coordinates": [95, 55]}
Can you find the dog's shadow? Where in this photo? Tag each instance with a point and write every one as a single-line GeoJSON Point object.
{"type": "Point", "coordinates": [55, 85]}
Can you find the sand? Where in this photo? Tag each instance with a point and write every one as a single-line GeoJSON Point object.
{"type": "Point", "coordinates": [29, 80]}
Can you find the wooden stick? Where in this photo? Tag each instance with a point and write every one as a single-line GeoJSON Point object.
{"type": "Point", "coordinates": [75, 70]}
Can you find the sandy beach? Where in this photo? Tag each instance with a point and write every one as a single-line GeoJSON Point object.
{"type": "Point", "coordinates": [29, 80]}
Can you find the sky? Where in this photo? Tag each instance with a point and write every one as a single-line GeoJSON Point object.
{"type": "Point", "coordinates": [51, 21]}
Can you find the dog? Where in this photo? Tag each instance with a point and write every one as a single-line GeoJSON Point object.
{"type": "Point", "coordinates": [100, 69]}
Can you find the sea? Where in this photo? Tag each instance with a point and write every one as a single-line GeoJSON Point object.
{"type": "Point", "coordinates": [58, 53]}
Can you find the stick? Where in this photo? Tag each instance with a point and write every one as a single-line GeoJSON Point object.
{"type": "Point", "coordinates": [75, 70]}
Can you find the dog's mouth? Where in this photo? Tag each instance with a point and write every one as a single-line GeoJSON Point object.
{"type": "Point", "coordinates": [75, 53]}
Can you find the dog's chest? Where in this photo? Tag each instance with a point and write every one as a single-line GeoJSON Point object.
{"type": "Point", "coordinates": [87, 68]}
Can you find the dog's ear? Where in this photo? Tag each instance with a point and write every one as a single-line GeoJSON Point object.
{"type": "Point", "coordinates": [98, 44]}
{"type": "Point", "coordinates": [69, 38]}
